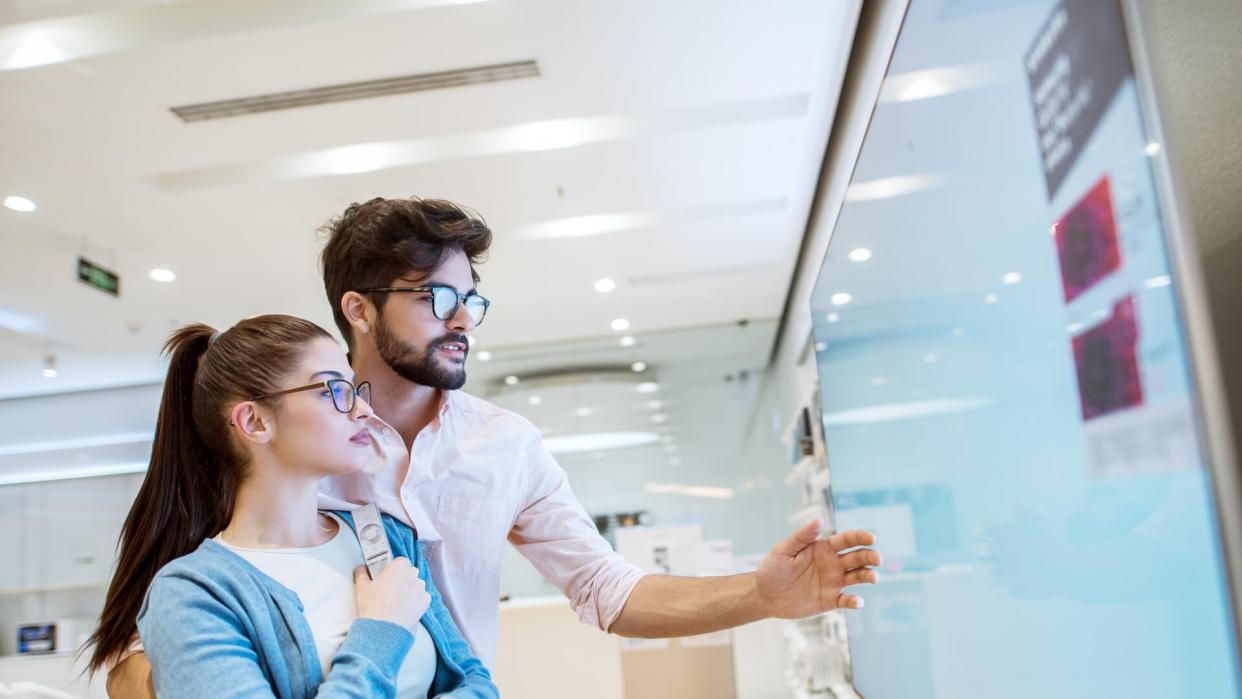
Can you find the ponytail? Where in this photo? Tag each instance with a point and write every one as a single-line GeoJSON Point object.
{"type": "Point", "coordinates": [196, 468]}
{"type": "Point", "coordinates": [184, 499]}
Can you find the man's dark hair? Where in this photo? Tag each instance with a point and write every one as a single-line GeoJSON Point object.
{"type": "Point", "coordinates": [378, 241]}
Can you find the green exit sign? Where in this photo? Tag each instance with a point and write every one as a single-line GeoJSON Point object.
{"type": "Point", "coordinates": [105, 280]}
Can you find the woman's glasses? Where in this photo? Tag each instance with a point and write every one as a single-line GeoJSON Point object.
{"type": "Point", "coordinates": [344, 393]}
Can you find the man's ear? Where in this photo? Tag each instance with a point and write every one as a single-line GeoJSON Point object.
{"type": "Point", "coordinates": [359, 312]}
{"type": "Point", "coordinates": [252, 423]}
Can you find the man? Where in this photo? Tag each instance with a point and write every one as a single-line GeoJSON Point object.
{"type": "Point", "coordinates": [400, 276]}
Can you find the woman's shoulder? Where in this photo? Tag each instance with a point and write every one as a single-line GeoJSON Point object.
{"type": "Point", "coordinates": [205, 561]}
{"type": "Point", "coordinates": [206, 572]}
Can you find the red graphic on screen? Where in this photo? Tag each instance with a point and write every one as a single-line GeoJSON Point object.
{"type": "Point", "coordinates": [1107, 360]}
{"type": "Point", "coordinates": [1087, 241]}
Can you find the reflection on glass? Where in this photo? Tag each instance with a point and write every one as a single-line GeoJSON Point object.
{"type": "Point", "coordinates": [1007, 396]}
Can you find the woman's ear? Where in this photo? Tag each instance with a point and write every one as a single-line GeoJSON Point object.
{"type": "Point", "coordinates": [251, 423]}
{"type": "Point", "coordinates": [358, 311]}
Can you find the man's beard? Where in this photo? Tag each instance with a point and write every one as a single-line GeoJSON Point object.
{"type": "Point", "coordinates": [420, 368]}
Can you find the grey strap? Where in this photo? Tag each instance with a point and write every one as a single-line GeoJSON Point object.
{"type": "Point", "coordinates": [370, 531]}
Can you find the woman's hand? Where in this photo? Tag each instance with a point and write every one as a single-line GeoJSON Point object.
{"type": "Point", "coordinates": [398, 595]}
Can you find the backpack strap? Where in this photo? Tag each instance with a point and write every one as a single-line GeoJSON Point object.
{"type": "Point", "coordinates": [371, 536]}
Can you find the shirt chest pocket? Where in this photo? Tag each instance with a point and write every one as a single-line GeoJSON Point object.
{"type": "Point", "coordinates": [474, 531]}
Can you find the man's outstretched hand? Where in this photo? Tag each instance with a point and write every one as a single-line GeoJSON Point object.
{"type": "Point", "coordinates": [804, 575]}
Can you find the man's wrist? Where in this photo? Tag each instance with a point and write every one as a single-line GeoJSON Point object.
{"type": "Point", "coordinates": [755, 607]}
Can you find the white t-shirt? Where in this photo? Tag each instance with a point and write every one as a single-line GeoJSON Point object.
{"type": "Point", "coordinates": [323, 578]}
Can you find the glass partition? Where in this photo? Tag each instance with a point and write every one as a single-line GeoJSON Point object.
{"type": "Point", "coordinates": [1007, 394]}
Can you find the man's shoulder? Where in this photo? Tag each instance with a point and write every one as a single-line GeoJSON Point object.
{"type": "Point", "coordinates": [471, 408]}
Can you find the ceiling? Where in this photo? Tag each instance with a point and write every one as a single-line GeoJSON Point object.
{"type": "Point", "coordinates": [671, 147]}
{"type": "Point", "coordinates": [716, 117]}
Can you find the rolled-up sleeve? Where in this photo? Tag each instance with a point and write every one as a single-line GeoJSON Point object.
{"type": "Point", "coordinates": [556, 535]}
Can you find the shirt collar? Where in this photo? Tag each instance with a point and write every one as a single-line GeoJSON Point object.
{"type": "Point", "coordinates": [446, 399]}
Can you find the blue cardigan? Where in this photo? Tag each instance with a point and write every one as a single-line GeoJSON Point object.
{"type": "Point", "coordinates": [213, 625]}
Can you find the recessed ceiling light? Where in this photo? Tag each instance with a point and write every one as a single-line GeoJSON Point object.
{"type": "Point", "coordinates": [655, 404]}
{"type": "Point", "coordinates": [484, 356]}
{"type": "Point", "coordinates": [534, 400]}
{"type": "Point", "coordinates": [991, 298]}
{"type": "Point", "coordinates": [627, 341]}
{"type": "Point", "coordinates": [511, 380]}
{"type": "Point", "coordinates": [21, 204]}
{"type": "Point", "coordinates": [860, 255]}
{"type": "Point", "coordinates": [821, 346]}
{"type": "Point", "coordinates": [935, 82]}
{"type": "Point", "coordinates": [832, 317]}
{"type": "Point", "coordinates": [659, 417]}
{"type": "Point", "coordinates": [887, 187]}
{"type": "Point", "coordinates": [1012, 278]}
{"type": "Point", "coordinates": [1157, 282]}
{"type": "Point", "coordinates": [34, 51]}
{"type": "Point", "coordinates": [647, 387]}
{"type": "Point", "coordinates": [620, 324]}
{"type": "Point", "coordinates": [358, 158]}
{"type": "Point", "coordinates": [583, 412]}
{"type": "Point", "coordinates": [1152, 149]}
{"type": "Point", "coordinates": [841, 298]}
{"type": "Point", "coordinates": [18, 323]}
{"type": "Point", "coordinates": [559, 134]}
{"type": "Point", "coordinates": [638, 367]}
{"type": "Point", "coordinates": [922, 88]}
{"type": "Point", "coordinates": [906, 410]}
{"type": "Point", "coordinates": [597, 441]}
{"type": "Point", "coordinates": [604, 286]}
{"type": "Point", "coordinates": [694, 491]}
{"type": "Point", "coordinates": [162, 275]}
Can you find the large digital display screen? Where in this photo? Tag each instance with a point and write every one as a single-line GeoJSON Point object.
{"type": "Point", "coordinates": [1007, 395]}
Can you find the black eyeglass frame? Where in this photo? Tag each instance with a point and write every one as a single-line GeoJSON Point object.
{"type": "Point", "coordinates": [354, 392]}
{"type": "Point", "coordinates": [461, 298]}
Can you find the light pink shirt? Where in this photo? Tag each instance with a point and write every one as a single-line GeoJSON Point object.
{"type": "Point", "coordinates": [479, 474]}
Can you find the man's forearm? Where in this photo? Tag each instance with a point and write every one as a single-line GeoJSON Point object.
{"type": "Point", "coordinates": [664, 606]}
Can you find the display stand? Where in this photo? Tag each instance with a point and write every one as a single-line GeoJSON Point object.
{"type": "Point", "coordinates": [818, 648]}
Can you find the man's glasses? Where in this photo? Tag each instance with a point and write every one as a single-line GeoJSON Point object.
{"type": "Point", "coordinates": [343, 392]}
{"type": "Point", "coordinates": [444, 300]}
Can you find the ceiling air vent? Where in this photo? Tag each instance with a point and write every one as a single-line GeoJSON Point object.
{"type": "Point", "coordinates": [356, 91]}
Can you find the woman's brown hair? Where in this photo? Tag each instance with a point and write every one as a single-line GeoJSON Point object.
{"type": "Point", "coordinates": [196, 468]}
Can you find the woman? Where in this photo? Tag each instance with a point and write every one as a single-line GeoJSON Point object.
{"type": "Point", "coordinates": [239, 585]}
